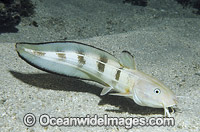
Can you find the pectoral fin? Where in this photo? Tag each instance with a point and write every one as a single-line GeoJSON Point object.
{"type": "Point", "coordinates": [106, 90]}
{"type": "Point", "coordinates": [127, 60]}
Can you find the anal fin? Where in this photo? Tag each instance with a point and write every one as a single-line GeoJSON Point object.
{"type": "Point", "coordinates": [121, 94]}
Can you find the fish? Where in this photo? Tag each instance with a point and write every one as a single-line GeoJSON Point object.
{"type": "Point", "coordinates": [83, 61]}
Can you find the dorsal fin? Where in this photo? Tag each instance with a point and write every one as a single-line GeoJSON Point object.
{"type": "Point", "coordinates": [127, 60]}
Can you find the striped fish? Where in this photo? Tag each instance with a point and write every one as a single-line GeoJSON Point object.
{"type": "Point", "coordinates": [87, 62]}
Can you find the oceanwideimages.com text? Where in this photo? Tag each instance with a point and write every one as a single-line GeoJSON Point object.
{"type": "Point", "coordinates": [95, 120]}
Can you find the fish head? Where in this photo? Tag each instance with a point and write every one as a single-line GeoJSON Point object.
{"type": "Point", "coordinates": [148, 91]}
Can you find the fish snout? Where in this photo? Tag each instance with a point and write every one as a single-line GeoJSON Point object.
{"type": "Point", "coordinates": [171, 102]}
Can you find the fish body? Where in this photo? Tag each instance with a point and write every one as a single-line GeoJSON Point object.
{"type": "Point", "coordinates": [87, 62]}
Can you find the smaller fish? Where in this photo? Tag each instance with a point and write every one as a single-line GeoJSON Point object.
{"type": "Point", "coordinates": [87, 62]}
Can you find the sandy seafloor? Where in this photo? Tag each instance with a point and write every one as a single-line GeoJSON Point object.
{"type": "Point", "coordinates": [164, 38]}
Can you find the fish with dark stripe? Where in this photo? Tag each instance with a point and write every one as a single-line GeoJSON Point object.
{"type": "Point", "coordinates": [83, 61]}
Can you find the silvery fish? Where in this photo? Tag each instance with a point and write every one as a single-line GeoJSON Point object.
{"type": "Point", "coordinates": [76, 59]}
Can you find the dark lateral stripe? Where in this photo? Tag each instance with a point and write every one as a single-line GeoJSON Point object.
{"type": "Point", "coordinates": [39, 53]}
{"type": "Point", "coordinates": [81, 60]}
{"type": "Point", "coordinates": [117, 75]}
{"type": "Point", "coordinates": [101, 67]}
{"type": "Point", "coordinates": [61, 55]}
{"type": "Point", "coordinates": [100, 64]}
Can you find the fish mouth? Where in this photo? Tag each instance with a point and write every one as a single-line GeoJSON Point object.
{"type": "Point", "coordinates": [166, 109]}
{"type": "Point", "coordinates": [173, 105]}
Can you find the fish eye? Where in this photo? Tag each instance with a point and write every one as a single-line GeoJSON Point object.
{"type": "Point", "coordinates": [157, 91]}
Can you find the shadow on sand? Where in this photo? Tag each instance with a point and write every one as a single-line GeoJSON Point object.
{"type": "Point", "coordinates": [56, 82]}
{"type": "Point", "coordinates": [8, 30]}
